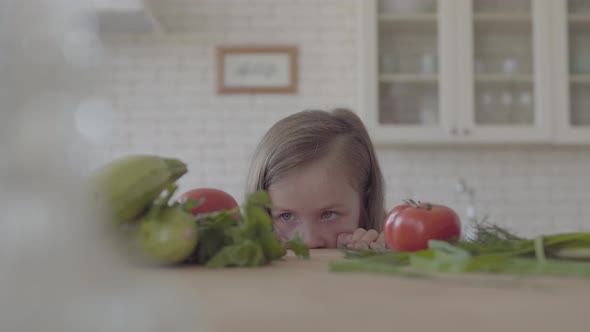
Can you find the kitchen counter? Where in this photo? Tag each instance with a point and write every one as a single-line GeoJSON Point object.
{"type": "Point", "coordinates": [303, 295]}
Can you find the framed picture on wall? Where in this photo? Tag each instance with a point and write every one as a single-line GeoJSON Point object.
{"type": "Point", "coordinates": [257, 69]}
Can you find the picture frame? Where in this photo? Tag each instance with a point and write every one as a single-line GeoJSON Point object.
{"type": "Point", "coordinates": [257, 69]}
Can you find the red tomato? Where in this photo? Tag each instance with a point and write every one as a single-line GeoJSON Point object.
{"type": "Point", "coordinates": [214, 200]}
{"type": "Point", "coordinates": [409, 227]}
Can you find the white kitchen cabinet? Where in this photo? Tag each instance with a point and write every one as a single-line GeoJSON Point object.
{"type": "Point", "coordinates": [457, 71]}
{"type": "Point", "coordinates": [572, 70]}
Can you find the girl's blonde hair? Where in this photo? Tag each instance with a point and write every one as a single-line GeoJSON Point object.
{"type": "Point", "coordinates": [309, 135]}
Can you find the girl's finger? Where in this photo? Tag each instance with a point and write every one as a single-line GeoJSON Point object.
{"type": "Point", "coordinates": [361, 245]}
{"type": "Point", "coordinates": [343, 239]}
{"type": "Point", "coordinates": [370, 236]}
{"type": "Point", "coordinates": [358, 234]}
{"type": "Point", "coordinates": [380, 243]}
{"type": "Point", "coordinates": [381, 238]}
{"type": "Point", "coordinates": [376, 245]}
{"type": "Point", "coordinates": [355, 242]}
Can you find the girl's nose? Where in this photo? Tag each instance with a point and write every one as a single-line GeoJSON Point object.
{"type": "Point", "coordinates": [312, 237]}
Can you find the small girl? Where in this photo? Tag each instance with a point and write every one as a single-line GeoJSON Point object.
{"type": "Point", "coordinates": [323, 178]}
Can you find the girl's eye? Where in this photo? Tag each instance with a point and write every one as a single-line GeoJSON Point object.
{"type": "Point", "coordinates": [286, 217]}
{"type": "Point", "coordinates": [329, 215]}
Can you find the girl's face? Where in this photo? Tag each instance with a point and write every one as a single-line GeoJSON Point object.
{"type": "Point", "coordinates": [316, 200]}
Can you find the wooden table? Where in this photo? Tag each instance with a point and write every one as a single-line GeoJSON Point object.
{"type": "Point", "coordinates": [303, 295]}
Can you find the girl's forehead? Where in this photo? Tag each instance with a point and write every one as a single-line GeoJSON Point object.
{"type": "Point", "coordinates": [314, 185]}
{"type": "Point", "coordinates": [325, 171]}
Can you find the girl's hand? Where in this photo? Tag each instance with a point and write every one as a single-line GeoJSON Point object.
{"type": "Point", "coordinates": [361, 239]}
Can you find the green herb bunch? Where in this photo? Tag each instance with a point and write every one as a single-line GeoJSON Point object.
{"type": "Point", "coordinates": [242, 238]}
{"type": "Point", "coordinates": [492, 249]}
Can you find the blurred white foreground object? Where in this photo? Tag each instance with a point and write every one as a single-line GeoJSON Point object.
{"type": "Point", "coordinates": [94, 120]}
{"type": "Point", "coordinates": [59, 269]}
{"type": "Point", "coordinates": [126, 16]}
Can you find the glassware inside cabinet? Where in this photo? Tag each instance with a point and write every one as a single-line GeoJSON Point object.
{"type": "Point", "coordinates": [580, 105]}
{"type": "Point", "coordinates": [501, 6]}
{"type": "Point", "coordinates": [404, 103]}
{"type": "Point", "coordinates": [579, 6]}
{"type": "Point", "coordinates": [408, 47]}
{"type": "Point", "coordinates": [579, 61]}
{"type": "Point", "coordinates": [406, 6]}
{"type": "Point", "coordinates": [503, 62]}
{"type": "Point", "coordinates": [502, 104]}
{"type": "Point", "coordinates": [408, 62]}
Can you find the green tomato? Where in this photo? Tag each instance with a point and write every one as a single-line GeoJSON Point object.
{"type": "Point", "coordinates": [169, 239]}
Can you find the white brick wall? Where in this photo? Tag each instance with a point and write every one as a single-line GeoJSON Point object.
{"type": "Point", "coordinates": [164, 95]}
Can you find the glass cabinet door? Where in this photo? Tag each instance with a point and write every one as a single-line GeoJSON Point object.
{"type": "Point", "coordinates": [408, 62]}
{"type": "Point", "coordinates": [457, 70]}
{"type": "Point", "coordinates": [578, 16]}
{"type": "Point", "coordinates": [509, 68]}
{"type": "Point", "coordinates": [503, 62]}
{"type": "Point", "coordinates": [571, 52]}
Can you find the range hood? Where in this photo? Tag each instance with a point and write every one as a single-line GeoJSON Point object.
{"type": "Point", "coordinates": [126, 17]}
